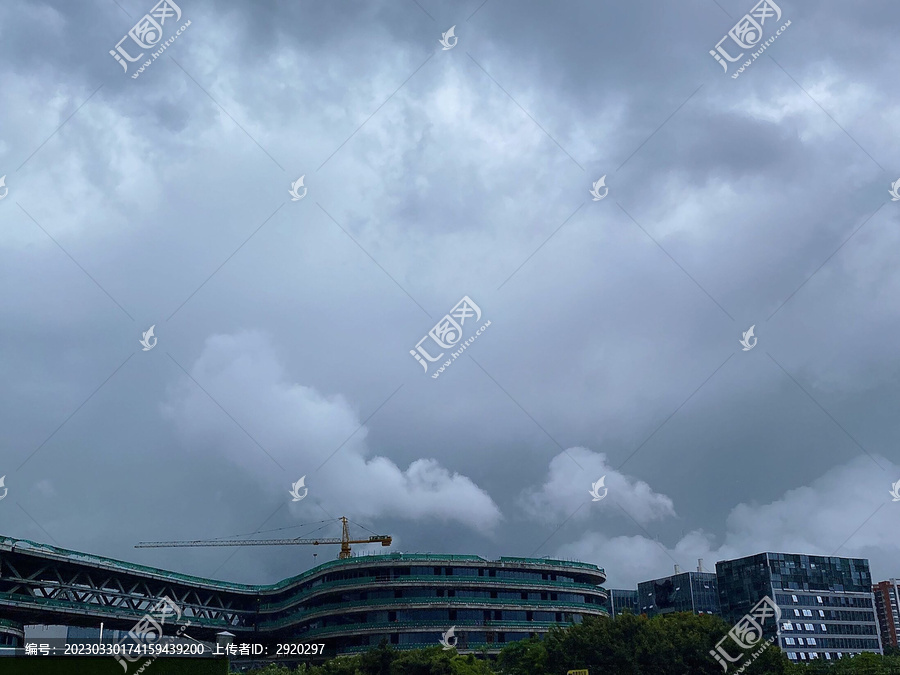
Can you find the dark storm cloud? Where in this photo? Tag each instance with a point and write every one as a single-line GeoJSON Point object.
{"type": "Point", "coordinates": [435, 174]}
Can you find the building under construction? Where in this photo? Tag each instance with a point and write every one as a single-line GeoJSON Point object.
{"type": "Point", "coordinates": [349, 604]}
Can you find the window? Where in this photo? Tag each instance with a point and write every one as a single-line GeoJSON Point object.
{"type": "Point", "coordinates": [828, 655]}
{"type": "Point", "coordinates": [787, 626]}
{"type": "Point", "coordinates": [807, 612]}
{"type": "Point", "coordinates": [809, 627]}
{"type": "Point", "coordinates": [792, 656]}
{"type": "Point", "coordinates": [796, 612]}
{"type": "Point", "coordinates": [794, 598]}
{"type": "Point", "coordinates": [803, 656]}
{"type": "Point", "coordinates": [811, 641]}
{"type": "Point", "coordinates": [824, 629]}
{"type": "Point", "coordinates": [822, 613]}
{"type": "Point", "coordinates": [800, 641]}
{"type": "Point", "coordinates": [789, 641]}
{"type": "Point", "coordinates": [797, 626]}
{"type": "Point", "coordinates": [819, 599]}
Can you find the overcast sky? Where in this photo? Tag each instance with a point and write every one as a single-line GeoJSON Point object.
{"type": "Point", "coordinates": [285, 326]}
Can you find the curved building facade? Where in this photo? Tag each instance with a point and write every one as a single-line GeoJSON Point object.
{"type": "Point", "coordinates": [349, 605]}
{"type": "Point", "coordinates": [411, 600]}
{"type": "Point", "coordinates": [12, 634]}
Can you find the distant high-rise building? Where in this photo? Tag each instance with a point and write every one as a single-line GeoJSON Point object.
{"type": "Point", "coordinates": [682, 592]}
{"type": "Point", "coordinates": [622, 600]}
{"type": "Point", "coordinates": [827, 605]}
{"type": "Point", "coordinates": [887, 607]}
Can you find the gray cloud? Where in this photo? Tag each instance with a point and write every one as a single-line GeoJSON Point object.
{"type": "Point", "coordinates": [170, 191]}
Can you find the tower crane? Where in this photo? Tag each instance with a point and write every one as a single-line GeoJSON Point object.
{"type": "Point", "coordinates": [344, 541]}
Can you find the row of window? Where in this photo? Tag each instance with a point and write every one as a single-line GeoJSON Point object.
{"type": "Point", "coordinates": [445, 615]}
{"type": "Point", "coordinates": [799, 641]}
{"type": "Point", "coordinates": [399, 574]}
{"type": "Point", "coordinates": [838, 615]}
{"type": "Point", "coordinates": [839, 629]}
{"type": "Point", "coordinates": [836, 643]}
{"type": "Point", "coordinates": [334, 602]}
{"type": "Point", "coordinates": [826, 601]}
{"type": "Point", "coordinates": [803, 582]}
{"type": "Point", "coordinates": [464, 638]}
{"type": "Point", "coordinates": [447, 571]}
{"type": "Point", "coordinates": [808, 627]}
{"type": "Point", "coordinates": [400, 593]}
{"type": "Point", "coordinates": [812, 656]}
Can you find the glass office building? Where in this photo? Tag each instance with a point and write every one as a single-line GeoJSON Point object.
{"type": "Point", "coordinates": [682, 592]}
{"type": "Point", "coordinates": [827, 605]}
{"type": "Point", "coordinates": [621, 600]}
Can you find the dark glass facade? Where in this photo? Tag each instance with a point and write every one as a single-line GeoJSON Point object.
{"type": "Point", "coordinates": [621, 600]}
{"type": "Point", "coordinates": [684, 592]}
{"type": "Point", "coordinates": [827, 605]}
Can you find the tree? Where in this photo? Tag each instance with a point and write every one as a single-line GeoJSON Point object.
{"type": "Point", "coordinates": [378, 661]}
{"type": "Point", "coordinates": [525, 657]}
{"type": "Point", "coordinates": [428, 661]}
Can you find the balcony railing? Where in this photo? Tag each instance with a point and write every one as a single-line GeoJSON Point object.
{"type": "Point", "coordinates": [425, 626]}
{"type": "Point", "coordinates": [438, 581]}
{"type": "Point", "coordinates": [410, 603]}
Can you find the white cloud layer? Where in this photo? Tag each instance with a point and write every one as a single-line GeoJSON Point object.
{"type": "Point", "coordinates": [567, 488]}
{"type": "Point", "coordinates": [300, 427]}
{"type": "Point", "coordinates": [847, 511]}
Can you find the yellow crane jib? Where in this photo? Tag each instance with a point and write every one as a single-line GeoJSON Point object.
{"type": "Point", "coordinates": [344, 541]}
